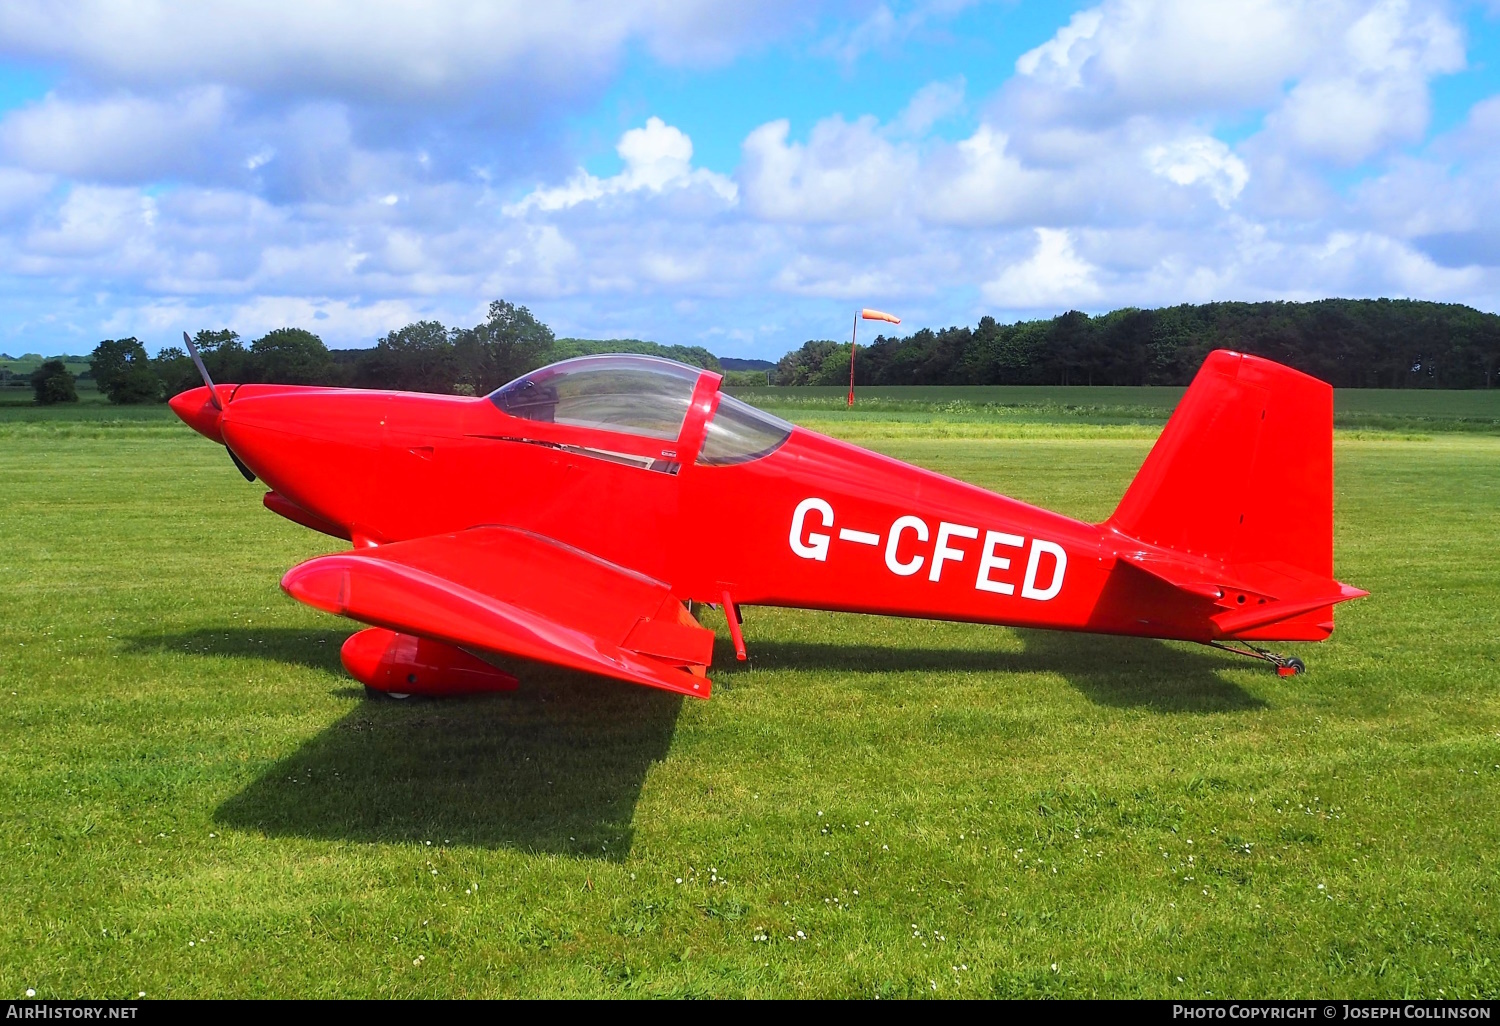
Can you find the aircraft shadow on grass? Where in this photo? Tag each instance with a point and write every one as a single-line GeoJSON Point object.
{"type": "Point", "coordinates": [559, 765]}
{"type": "Point", "coordinates": [555, 767]}
{"type": "Point", "coordinates": [1113, 671]}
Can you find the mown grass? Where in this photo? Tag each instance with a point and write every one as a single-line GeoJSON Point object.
{"type": "Point", "coordinates": [194, 800]}
{"type": "Point", "coordinates": [1022, 411]}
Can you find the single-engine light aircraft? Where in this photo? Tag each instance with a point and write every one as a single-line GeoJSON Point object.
{"type": "Point", "coordinates": [579, 514]}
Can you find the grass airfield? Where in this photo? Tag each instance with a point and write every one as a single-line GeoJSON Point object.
{"type": "Point", "coordinates": [196, 801]}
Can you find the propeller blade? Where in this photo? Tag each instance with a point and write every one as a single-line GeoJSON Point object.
{"type": "Point", "coordinates": [213, 393]}
{"type": "Point", "coordinates": [248, 474]}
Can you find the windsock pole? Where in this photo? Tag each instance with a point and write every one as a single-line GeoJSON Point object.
{"type": "Point", "coordinates": [869, 315]}
{"type": "Point", "coordinates": [853, 335]}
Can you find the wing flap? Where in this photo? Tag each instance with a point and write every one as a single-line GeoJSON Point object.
{"type": "Point", "coordinates": [511, 592]}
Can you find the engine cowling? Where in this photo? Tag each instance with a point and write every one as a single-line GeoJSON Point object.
{"type": "Point", "coordinates": [401, 664]}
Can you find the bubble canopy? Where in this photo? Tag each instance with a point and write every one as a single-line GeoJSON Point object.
{"type": "Point", "coordinates": [638, 395]}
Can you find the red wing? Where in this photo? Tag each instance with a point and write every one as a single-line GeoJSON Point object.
{"type": "Point", "coordinates": [507, 591]}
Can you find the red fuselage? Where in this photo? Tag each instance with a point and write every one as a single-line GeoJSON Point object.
{"type": "Point", "coordinates": [814, 523]}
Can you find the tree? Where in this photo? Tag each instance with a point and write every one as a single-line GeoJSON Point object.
{"type": "Point", "coordinates": [223, 355]}
{"type": "Point", "coordinates": [124, 373]}
{"type": "Point", "coordinates": [53, 384]}
{"type": "Point", "coordinates": [803, 366]}
{"type": "Point", "coordinates": [1380, 343]}
{"type": "Point", "coordinates": [290, 356]}
{"type": "Point", "coordinates": [175, 369]}
{"type": "Point", "coordinates": [508, 344]}
{"type": "Point", "coordinates": [419, 357]}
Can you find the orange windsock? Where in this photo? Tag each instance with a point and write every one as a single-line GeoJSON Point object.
{"type": "Point", "coordinates": [878, 315]}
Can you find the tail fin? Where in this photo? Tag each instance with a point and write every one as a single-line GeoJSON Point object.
{"type": "Point", "coordinates": [1243, 472]}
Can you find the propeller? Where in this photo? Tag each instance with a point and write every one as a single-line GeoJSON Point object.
{"type": "Point", "coordinates": [213, 397]}
{"type": "Point", "coordinates": [213, 393]}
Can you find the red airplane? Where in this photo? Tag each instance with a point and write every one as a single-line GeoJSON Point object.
{"type": "Point", "coordinates": [577, 515]}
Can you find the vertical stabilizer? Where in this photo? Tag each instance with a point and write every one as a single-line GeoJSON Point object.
{"type": "Point", "coordinates": [1243, 472]}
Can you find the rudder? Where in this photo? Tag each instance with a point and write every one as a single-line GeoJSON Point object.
{"type": "Point", "coordinates": [1243, 471]}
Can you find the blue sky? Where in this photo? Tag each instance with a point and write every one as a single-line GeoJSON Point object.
{"type": "Point", "coordinates": [732, 175]}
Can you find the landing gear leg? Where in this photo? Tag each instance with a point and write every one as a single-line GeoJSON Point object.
{"type": "Point", "coordinates": [1286, 666]}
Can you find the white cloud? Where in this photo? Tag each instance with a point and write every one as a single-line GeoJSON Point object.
{"type": "Point", "coordinates": [846, 171]}
{"type": "Point", "coordinates": [978, 182]}
{"type": "Point", "coordinates": [657, 157]}
{"type": "Point", "coordinates": [1136, 55]}
{"type": "Point", "coordinates": [262, 188]}
{"type": "Point", "coordinates": [1201, 160]}
{"type": "Point", "coordinates": [883, 29]}
{"type": "Point", "coordinates": [1370, 88]}
{"type": "Point", "coordinates": [395, 50]}
{"type": "Point", "coordinates": [931, 104]}
{"type": "Point", "coordinates": [96, 222]}
{"type": "Point", "coordinates": [1053, 276]}
{"type": "Point", "coordinates": [1061, 59]}
{"type": "Point", "coordinates": [21, 191]}
{"type": "Point", "coordinates": [122, 138]}
{"type": "Point", "coordinates": [1353, 73]}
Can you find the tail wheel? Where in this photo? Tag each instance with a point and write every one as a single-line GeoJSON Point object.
{"type": "Point", "coordinates": [1286, 666]}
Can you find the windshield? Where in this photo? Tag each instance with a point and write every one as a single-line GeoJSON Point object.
{"type": "Point", "coordinates": [638, 395]}
{"type": "Point", "coordinates": [740, 433]}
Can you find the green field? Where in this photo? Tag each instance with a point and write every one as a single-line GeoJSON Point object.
{"type": "Point", "coordinates": [195, 801]}
{"type": "Point", "coordinates": [1000, 411]}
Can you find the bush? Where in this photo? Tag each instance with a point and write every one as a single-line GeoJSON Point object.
{"type": "Point", "coordinates": [53, 383]}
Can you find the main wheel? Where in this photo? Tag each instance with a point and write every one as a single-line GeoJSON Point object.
{"type": "Point", "coordinates": [376, 695]}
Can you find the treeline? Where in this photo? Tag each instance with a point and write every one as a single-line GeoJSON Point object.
{"type": "Point", "coordinates": [422, 357]}
{"type": "Point", "coordinates": [1380, 343]}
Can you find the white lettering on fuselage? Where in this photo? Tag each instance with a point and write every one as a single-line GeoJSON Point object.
{"type": "Point", "coordinates": [816, 545]}
{"type": "Point", "coordinates": [909, 533]}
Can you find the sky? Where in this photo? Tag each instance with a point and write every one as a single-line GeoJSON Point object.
{"type": "Point", "coordinates": [739, 176]}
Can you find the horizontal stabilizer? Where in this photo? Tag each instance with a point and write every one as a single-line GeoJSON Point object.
{"type": "Point", "coordinates": [1247, 596]}
{"type": "Point", "coordinates": [510, 592]}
